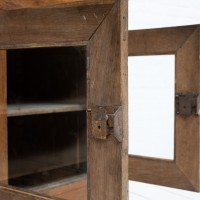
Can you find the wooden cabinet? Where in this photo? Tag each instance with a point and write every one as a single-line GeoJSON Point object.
{"type": "Point", "coordinates": [63, 99]}
{"type": "Point", "coordinates": [64, 107]}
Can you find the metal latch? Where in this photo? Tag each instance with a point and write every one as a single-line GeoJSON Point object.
{"type": "Point", "coordinates": [105, 121]}
{"type": "Point", "coordinates": [187, 104]}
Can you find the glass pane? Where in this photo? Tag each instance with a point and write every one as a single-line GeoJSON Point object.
{"type": "Point", "coordinates": [47, 121]}
{"type": "Point", "coordinates": [151, 105]}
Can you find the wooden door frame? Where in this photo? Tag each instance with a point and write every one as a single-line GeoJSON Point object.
{"type": "Point", "coordinates": [184, 171]}
{"type": "Point", "coordinates": [101, 25]}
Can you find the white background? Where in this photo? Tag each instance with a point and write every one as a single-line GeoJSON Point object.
{"type": "Point", "coordinates": [151, 105]}
{"type": "Point", "coordinates": [144, 14]}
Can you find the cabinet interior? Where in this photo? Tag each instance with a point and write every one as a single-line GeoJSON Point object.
{"type": "Point", "coordinates": [46, 109]}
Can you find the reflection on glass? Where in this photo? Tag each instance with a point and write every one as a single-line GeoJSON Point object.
{"type": "Point", "coordinates": [47, 121]}
{"type": "Point", "coordinates": [151, 106]}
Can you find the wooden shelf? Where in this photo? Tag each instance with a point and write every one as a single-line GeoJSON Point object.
{"type": "Point", "coordinates": [42, 108]}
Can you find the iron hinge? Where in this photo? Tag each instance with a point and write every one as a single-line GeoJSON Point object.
{"type": "Point", "coordinates": [105, 121]}
{"type": "Point", "coordinates": [187, 104]}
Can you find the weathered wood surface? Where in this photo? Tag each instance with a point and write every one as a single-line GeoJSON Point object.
{"type": "Point", "coordinates": [42, 108]}
{"type": "Point", "coordinates": [50, 27]}
{"type": "Point", "coordinates": [105, 27]}
{"type": "Point", "coordinates": [73, 191]}
{"type": "Point", "coordinates": [3, 119]}
{"type": "Point", "coordinates": [183, 42]}
{"type": "Point", "coordinates": [21, 4]}
{"type": "Point", "coordinates": [199, 136]}
{"type": "Point", "coordinates": [157, 171]}
{"type": "Point", "coordinates": [107, 85]}
{"type": "Point", "coordinates": [8, 193]}
{"type": "Point", "coordinates": [187, 132]}
{"type": "Point", "coordinates": [158, 41]}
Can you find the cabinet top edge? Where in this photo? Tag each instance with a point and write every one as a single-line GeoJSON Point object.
{"type": "Point", "coordinates": [23, 4]}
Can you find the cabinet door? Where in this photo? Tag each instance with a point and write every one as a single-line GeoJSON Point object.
{"type": "Point", "coordinates": [182, 171]}
{"type": "Point", "coordinates": [85, 45]}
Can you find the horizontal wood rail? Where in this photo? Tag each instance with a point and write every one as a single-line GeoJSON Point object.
{"type": "Point", "coordinates": [21, 4]}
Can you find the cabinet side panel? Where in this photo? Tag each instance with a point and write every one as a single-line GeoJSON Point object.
{"type": "Point", "coordinates": [3, 119]}
{"type": "Point", "coordinates": [124, 92]}
{"type": "Point", "coordinates": [199, 117]}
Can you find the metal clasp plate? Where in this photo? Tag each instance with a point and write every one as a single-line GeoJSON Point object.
{"type": "Point", "coordinates": [187, 104]}
{"type": "Point", "coordinates": [105, 121]}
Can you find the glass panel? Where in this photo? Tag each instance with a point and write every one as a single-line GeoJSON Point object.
{"type": "Point", "coordinates": [47, 121]}
{"type": "Point", "coordinates": [145, 14]}
{"type": "Point", "coordinates": [151, 106]}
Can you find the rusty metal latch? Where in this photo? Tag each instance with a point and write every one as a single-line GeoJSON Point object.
{"type": "Point", "coordinates": [187, 104]}
{"type": "Point", "coordinates": [105, 121]}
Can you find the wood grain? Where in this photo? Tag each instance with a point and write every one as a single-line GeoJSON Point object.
{"type": "Point", "coordinates": [3, 119]}
{"type": "Point", "coordinates": [184, 171]}
{"type": "Point", "coordinates": [158, 41]}
{"type": "Point", "coordinates": [63, 189]}
{"type": "Point", "coordinates": [157, 171]}
{"type": "Point", "coordinates": [8, 193]}
{"type": "Point", "coordinates": [79, 193]}
{"type": "Point", "coordinates": [21, 4]}
{"type": "Point", "coordinates": [107, 159]}
{"type": "Point", "coordinates": [43, 45]}
{"type": "Point", "coordinates": [124, 93]}
{"type": "Point", "coordinates": [50, 27]}
{"type": "Point", "coordinates": [187, 128]}
{"type": "Point", "coordinates": [199, 119]}
{"type": "Point", "coordinates": [42, 108]}
{"type": "Point", "coordinates": [106, 27]}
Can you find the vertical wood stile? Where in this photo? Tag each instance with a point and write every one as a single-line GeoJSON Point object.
{"type": "Point", "coordinates": [3, 120]}
{"type": "Point", "coordinates": [199, 93]}
{"type": "Point", "coordinates": [187, 128]}
{"type": "Point", "coordinates": [107, 86]}
{"type": "Point", "coordinates": [124, 93]}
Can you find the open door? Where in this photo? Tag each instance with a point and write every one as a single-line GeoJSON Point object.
{"type": "Point", "coordinates": [182, 170]}
{"type": "Point", "coordinates": [63, 100]}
